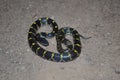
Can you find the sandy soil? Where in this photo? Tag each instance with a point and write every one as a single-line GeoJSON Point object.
{"type": "Point", "coordinates": [100, 56]}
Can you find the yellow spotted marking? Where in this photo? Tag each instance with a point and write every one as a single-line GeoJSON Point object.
{"type": "Point", "coordinates": [29, 38]}
{"type": "Point", "coordinates": [52, 56]}
{"type": "Point", "coordinates": [33, 28]}
{"type": "Point", "coordinates": [47, 18]}
{"type": "Point", "coordinates": [34, 23]}
{"type": "Point", "coordinates": [32, 45]}
{"type": "Point", "coordinates": [56, 26]}
{"type": "Point", "coordinates": [40, 19]}
{"type": "Point", "coordinates": [62, 30]}
{"type": "Point", "coordinates": [40, 22]}
{"type": "Point", "coordinates": [30, 32]}
{"type": "Point", "coordinates": [76, 52]}
{"type": "Point", "coordinates": [37, 50]}
{"type": "Point", "coordinates": [69, 56]}
{"type": "Point", "coordinates": [53, 21]}
{"type": "Point", "coordinates": [77, 45]}
{"type": "Point", "coordinates": [44, 53]}
{"type": "Point", "coordinates": [61, 57]}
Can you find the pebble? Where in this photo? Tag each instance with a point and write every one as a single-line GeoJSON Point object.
{"type": "Point", "coordinates": [15, 62]}
{"type": "Point", "coordinates": [20, 53]}
{"type": "Point", "coordinates": [28, 50]}
{"type": "Point", "coordinates": [117, 47]}
{"type": "Point", "coordinates": [102, 64]}
{"type": "Point", "coordinates": [6, 52]}
{"type": "Point", "coordinates": [29, 6]}
{"type": "Point", "coordinates": [62, 68]}
{"type": "Point", "coordinates": [11, 51]}
{"type": "Point", "coordinates": [108, 33]}
{"type": "Point", "coordinates": [117, 69]}
{"type": "Point", "coordinates": [23, 68]}
{"type": "Point", "coordinates": [109, 43]}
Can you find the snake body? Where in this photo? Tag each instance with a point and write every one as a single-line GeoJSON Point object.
{"type": "Point", "coordinates": [63, 55]}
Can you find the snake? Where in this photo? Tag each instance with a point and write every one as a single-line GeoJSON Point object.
{"type": "Point", "coordinates": [35, 38]}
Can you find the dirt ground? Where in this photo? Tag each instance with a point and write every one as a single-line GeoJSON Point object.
{"type": "Point", "coordinates": [100, 56]}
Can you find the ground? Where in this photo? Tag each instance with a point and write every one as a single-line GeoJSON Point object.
{"type": "Point", "coordinates": [100, 56]}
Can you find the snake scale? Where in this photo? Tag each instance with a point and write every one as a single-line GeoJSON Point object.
{"type": "Point", "coordinates": [63, 55]}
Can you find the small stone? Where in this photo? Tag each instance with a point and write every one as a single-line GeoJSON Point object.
{"type": "Point", "coordinates": [102, 64]}
{"type": "Point", "coordinates": [28, 50]}
{"type": "Point", "coordinates": [29, 6]}
{"type": "Point", "coordinates": [117, 47]}
{"type": "Point", "coordinates": [108, 33]}
{"type": "Point", "coordinates": [20, 53]}
{"type": "Point", "coordinates": [6, 52]}
{"type": "Point", "coordinates": [117, 69]}
{"type": "Point", "coordinates": [109, 43]}
{"type": "Point", "coordinates": [79, 19]}
{"type": "Point", "coordinates": [11, 51]}
{"type": "Point", "coordinates": [15, 62]}
{"type": "Point", "coordinates": [101, 75]}
{"type": "Point", "coordinates": [62, 68]}
{"type": "Point", "coordinates": [53, 77]}
{"type": "Point", "coordinates": [23, 68]}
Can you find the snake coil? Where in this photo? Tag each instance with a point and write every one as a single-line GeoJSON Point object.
{"type": "Point", "coordinates": [63, 55]}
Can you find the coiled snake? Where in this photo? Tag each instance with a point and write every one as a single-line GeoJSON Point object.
{"type": "Point", "coordinates": [63, 55]}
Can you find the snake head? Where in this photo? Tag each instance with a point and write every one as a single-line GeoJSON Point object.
{"type": "Point", "coordinates": [46, 35]}
{"type": "Point", "coordinates": [42, 40]}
